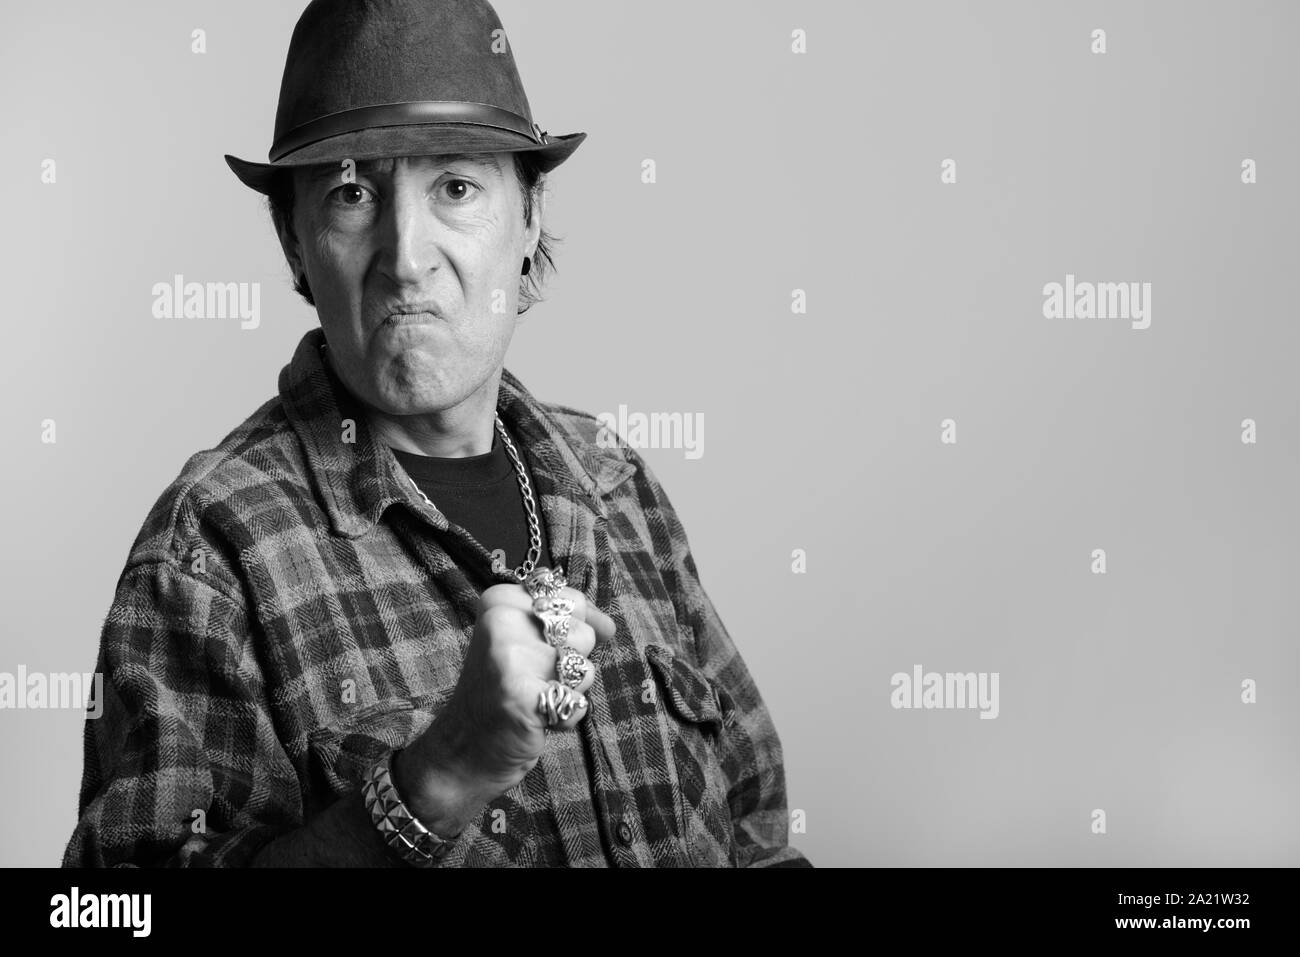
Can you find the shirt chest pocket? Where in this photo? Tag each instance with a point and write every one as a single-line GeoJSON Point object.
{"type": "Point", "coordinates": [688, 692]}
{"type": "Point", "coordinates": [697, 712]}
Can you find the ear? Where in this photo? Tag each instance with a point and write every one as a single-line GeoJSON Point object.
{"type": "Point", "coordinates": [533, 228]}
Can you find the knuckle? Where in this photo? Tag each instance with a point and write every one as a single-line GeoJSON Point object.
{"type": "Point", "coordinates": [582, 636]}
{"type": "Point", "coordinates": [504, 666]}
{"type": "Point", "coordinates": [522, 656]}
{"type": "Point", "coordinates": [498, 620]}
{"type": "Point", "coordinates": [495, 595]}
{"type": "Point", "coordinates": [580, 603]}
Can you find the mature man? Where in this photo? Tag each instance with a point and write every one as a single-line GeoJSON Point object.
{"type": "Point", "coordinates": [343, 636]}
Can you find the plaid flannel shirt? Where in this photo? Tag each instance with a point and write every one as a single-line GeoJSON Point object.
{"type": "Point", "coordinates": [292, 610]}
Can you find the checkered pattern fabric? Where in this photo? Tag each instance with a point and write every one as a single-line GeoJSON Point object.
{"type": "Point", "coordinates": [292, 610]}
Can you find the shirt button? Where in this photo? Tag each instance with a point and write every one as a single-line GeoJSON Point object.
{"type": "Point", "coordinates": [624, 834]}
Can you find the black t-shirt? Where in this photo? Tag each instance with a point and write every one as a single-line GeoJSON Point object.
{"type": "Point", "coordinates": [481, 494]}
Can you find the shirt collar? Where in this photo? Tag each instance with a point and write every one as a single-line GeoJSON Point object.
{"type": "Point", "coordinates": [358, 476]}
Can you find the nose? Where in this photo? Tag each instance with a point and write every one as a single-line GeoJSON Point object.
{"type": "Point", "coordinates": [409, 230]}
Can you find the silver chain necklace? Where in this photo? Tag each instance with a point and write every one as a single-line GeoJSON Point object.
{"type": "Point", "coordinates": [525, 486]}
{"type": "Point", "coordinates": [530, 506]}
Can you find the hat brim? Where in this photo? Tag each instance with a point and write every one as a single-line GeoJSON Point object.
{"type": "Point", "coordinates": [417, 140]}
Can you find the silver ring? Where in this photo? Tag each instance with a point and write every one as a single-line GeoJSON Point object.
{"type": "Point", "coordinates": [570, 666]}
{"type": "Point", "coordinates": [566, 709]}
{"type": "Point", "coordinates": [555, 611]}
{"type": "Point", "coordinates": [557, 703]}
{"type": "Point", "coordinates": [553, 605]}
{"type": "Point", "coordinates": [555, 628]}
{"type": "Point", "coordinates": [549, 701]}
{"type": "Point", "coordinates": [543, 582]}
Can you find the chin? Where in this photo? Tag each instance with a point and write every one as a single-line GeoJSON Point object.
{"type": "Point", "coordinates": [397, 401]}
{"type": "Point", "coordinates": [400, 396]}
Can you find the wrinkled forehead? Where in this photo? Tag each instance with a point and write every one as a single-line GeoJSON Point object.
{"type": "Point", "coordinates": [484, 164]}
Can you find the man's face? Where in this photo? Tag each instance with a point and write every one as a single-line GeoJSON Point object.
{"type": "Point", "coordinates": [415, 271]}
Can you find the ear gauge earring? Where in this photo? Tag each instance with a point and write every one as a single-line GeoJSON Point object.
{"type": "Point", "coordinates": [528, 265]}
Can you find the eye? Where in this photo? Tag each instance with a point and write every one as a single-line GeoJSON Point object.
{"type": "Point", "coordinates": [459, 190]}
{"type": "Point", "coordinates": [351, 195]}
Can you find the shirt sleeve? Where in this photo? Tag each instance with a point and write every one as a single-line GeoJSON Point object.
{"type": "Point", "coordinates": [183, 767]}
{"type": "Point", "coordinates": [750, 749]}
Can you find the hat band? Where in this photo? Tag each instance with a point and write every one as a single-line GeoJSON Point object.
{"type": "Point", "coordinates": [401, 114]}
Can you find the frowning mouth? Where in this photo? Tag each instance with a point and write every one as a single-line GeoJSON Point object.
{"type": "Point", "coordinates": [410, 319]}
{"type": "Point", "coordinates": [411, 313]}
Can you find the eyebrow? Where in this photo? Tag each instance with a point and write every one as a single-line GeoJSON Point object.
{"type": "Point", "coordinates": [366, 167]}
{"type": "Point", "coordinates": [483, 159]}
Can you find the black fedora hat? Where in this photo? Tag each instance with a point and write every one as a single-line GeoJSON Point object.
{"type": "Point", "coordinates": [366, 79]}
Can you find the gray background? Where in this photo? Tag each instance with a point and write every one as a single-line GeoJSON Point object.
{"type": "Point", "coordinates": [775, 172]}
